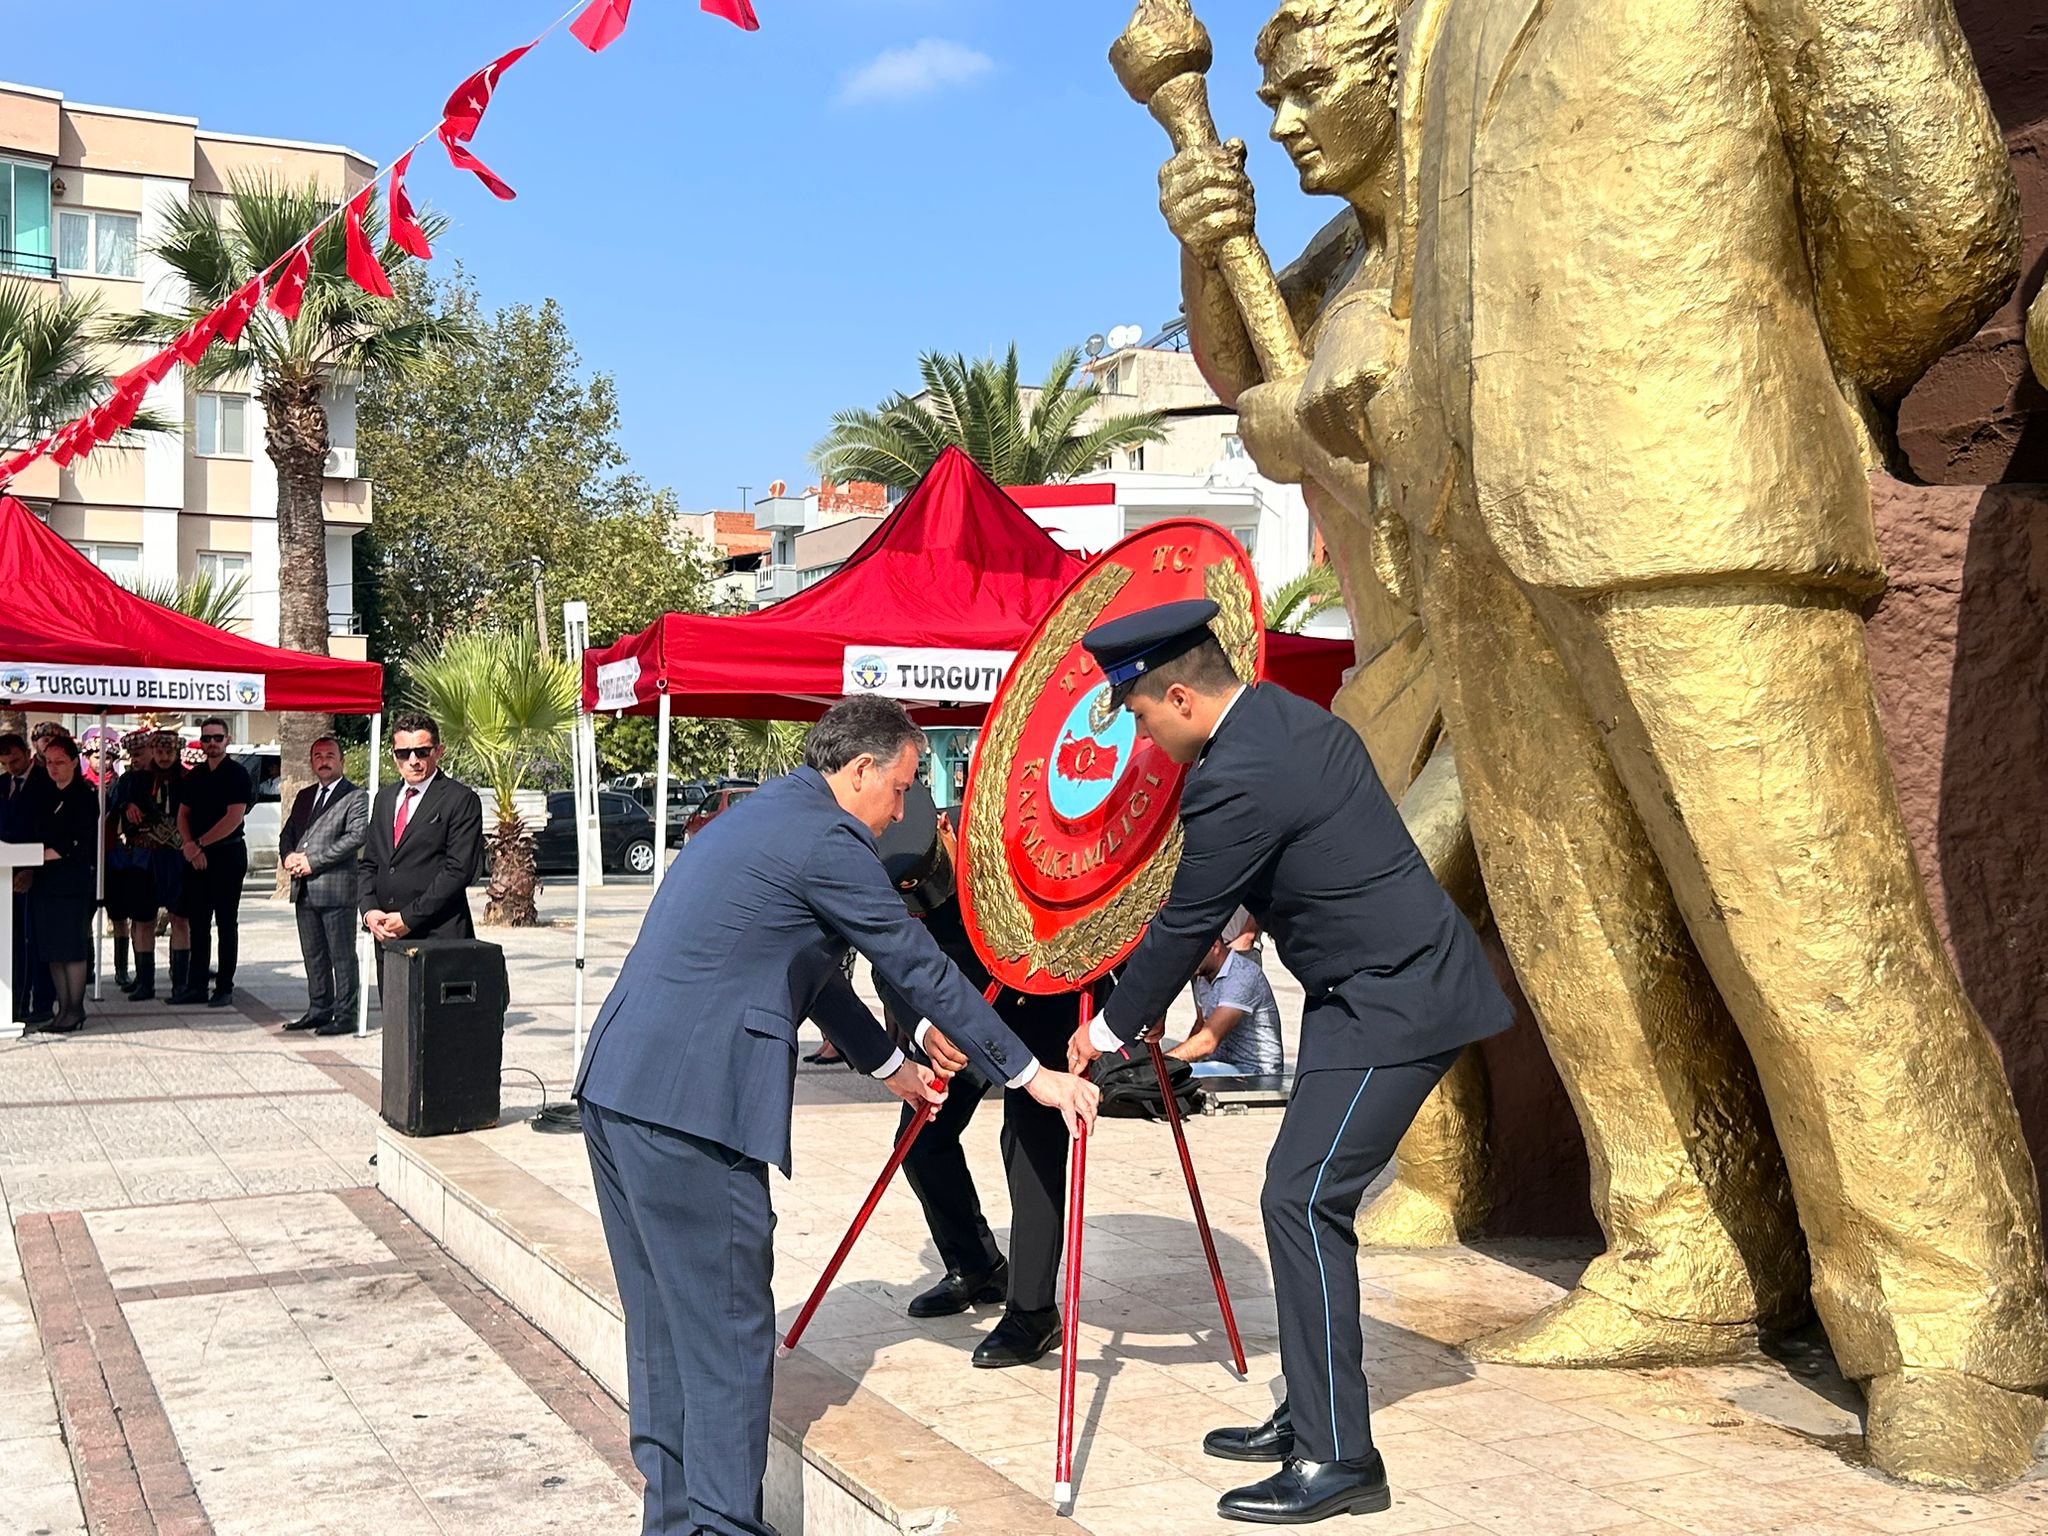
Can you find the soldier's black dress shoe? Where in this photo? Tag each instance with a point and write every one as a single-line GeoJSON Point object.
{"type": "Point", "coordinates": [1303, 1492]}
{"type": "Point", "coordinates": [223, 997]}
{"type": "Point", "coordinates": [309, 1021]}
{"type": "Point", "coordinates": [1270, 1441]}
{"type": "Point", "coordinates": [957, 1292]}
{"type": "Point", "coordinates": [335, 1027]}
{"type": "Point", "coordinates": [1019, 1339]}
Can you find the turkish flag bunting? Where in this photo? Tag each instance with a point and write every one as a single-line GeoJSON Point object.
{"type": "Point", "coordinates": [602, 23]}
{"type": "Point", "coordinates": [739, 12]}
{"type": "Point", "coordinates": [9, 468]}
{"type": "Point", "coordinates": [289, 291]}
{"type": "Point", "coordinates": [362, 261]}
{"type": "Point", "coordinates": [406, 233]}
{"type": "Point", "coordinates": [192, 345]}
{"type": "Point", "coordinates": [463, 160]}
{"type": "Point", "coordinates": [65, 446]}
{"type": "Point", "coordinates": [240, 309]}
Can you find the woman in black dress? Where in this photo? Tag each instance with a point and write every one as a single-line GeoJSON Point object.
{"type": "Point", "coordinates": [68, 827]}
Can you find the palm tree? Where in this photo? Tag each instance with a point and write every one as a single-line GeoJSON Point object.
{"type": "Point", "coordinates": [505, 707]}
{"type": "Point", "coordinates": [341, 337]}
{"type": "Point", "coordinates": [52, 370]}
{"type": "Point", "coordinates": [1289, 606]}
{"type": "Point", "coordinates": [767, 748]}
{"type": "Point", "coordinates": [981, 408]}
{"type": "Point", "coordinates": [211, 599]}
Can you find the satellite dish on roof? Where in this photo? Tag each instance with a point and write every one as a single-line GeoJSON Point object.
{"type": "Point", "coordinates": [778, 487]}
{"type": "Point", "coordinates": [1095, 345]}
{"type": "Point", "coordinates": [1126, 336]}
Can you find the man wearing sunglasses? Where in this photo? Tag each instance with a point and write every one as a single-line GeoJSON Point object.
{"type": "Point", "coordinates": [212, 801]}
{"type": "Point", "coordinates": [424, 845]}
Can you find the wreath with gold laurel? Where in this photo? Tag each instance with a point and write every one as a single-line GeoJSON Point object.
{"type": "Point", "coordinates": [1076, 950]}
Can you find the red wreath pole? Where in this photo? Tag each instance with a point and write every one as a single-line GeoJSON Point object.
{"type": "Point", "coordinates": [1187, 1166]}
{"type": "Point", "coordinates": [1070, 1311]}
{"type": "Point", "coordinates": [918, 1122]}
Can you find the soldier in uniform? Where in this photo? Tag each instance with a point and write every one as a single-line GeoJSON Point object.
{"type": "Point", "coordinates": [1283, 814]}
{"type": "Point", "coordinates": [919, 854]}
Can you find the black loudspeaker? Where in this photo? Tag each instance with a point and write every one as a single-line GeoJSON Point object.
{"type": "Point", "coordinates": [444, 1034]}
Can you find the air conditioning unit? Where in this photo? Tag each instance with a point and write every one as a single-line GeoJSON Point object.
{"type": "Point", "coordinates": [341, 464]}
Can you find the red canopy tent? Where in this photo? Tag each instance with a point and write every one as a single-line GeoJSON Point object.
{"type": "Point", "coordinates": [74, 638]}
{"type": "Point", "coordinates": [957, 569]}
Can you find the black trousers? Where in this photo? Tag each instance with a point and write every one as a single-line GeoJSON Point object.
{"type": "Point", "coordinates": [213, 898]}
{"type": "Point", "coordinates": [691, 1235]}
{"type": "Point", "coordinates": [327, 942]}
{"type": "Point", "coordinates": [1034, 1143]}
{"type": "Point", "coordinates": [33, 990]}
{"type": "Point", "coordinates": [1339, 1131]}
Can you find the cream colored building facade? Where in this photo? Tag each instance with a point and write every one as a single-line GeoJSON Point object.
{"type": "Point", "coordinates": [84, 192]}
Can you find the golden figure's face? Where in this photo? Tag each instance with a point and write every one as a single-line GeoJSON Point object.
{"type": "Point", "coordinates": [1332, 94]}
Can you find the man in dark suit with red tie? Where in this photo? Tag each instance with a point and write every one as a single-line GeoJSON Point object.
{"type": "Point", "coordinates": [424, 846]}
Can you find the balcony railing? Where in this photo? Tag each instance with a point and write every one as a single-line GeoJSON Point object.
{"type": "Point", "coordinates": [26, 264]}
{"type": "Point", "coordinates": [344, 623]}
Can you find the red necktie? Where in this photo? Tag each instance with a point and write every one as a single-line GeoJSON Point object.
{"type": "Point", "coordinates": [404, 810]}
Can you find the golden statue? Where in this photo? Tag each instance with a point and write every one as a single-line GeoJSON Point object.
{"type": "Point", "coordinates": [1329, 78]}
{"type": "Point", "coordinates": [1660, 274]}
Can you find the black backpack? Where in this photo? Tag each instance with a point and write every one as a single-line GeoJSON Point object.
{"type": "Point", "coordinates": [1130, 1087]}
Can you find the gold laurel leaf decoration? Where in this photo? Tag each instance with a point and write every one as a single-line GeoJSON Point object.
{"type": "Point", "coordinates": [1005, 921]}
{"type": "Point", "coordinates": [1234, 626]}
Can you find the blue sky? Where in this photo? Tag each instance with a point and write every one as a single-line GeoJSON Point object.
{"type": "Point", "coordinates": [749, 231]}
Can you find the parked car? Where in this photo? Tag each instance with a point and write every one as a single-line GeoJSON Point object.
{"type": "Point", "coordinates": [715, 805]}
{"type": "Point", "coordinates": [625, 834]}
{"type": "Point", "coordinates": [260, 827]}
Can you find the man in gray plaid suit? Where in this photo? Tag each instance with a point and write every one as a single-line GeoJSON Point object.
{"type": "Point", "coordinates": [318, 845]}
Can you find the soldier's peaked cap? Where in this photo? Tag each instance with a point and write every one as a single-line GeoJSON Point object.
{"type": "Point", "coordinates": [1127, 648]}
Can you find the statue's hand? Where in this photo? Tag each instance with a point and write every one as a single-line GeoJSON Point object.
{"type": "Point", "coordinates": [1359, 349]}
{"type": "Point", "coordinates": [1206, 197]}
{"type": "Point", "coordinates": [1267, 423]}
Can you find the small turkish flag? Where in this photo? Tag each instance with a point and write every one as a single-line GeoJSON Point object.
{"type": "Point", "coordinates": [465, 109]}
{"type": "Point", "coordinates": [460, 157]}
{"type": "Point", "coordinates": [235, 315]}
{"type": "Point", "coordinates": [198, 336]}
{"type": "Point", "coordinates": [739, 12]}
{"type": "Point", "coordinates": [158, 367]}
{"type": "Point", "coordinates": [602, 23]}
{"type": "Point", "coordinates": [406, 232]}
{"type": "Point", "coordinates": [69, 444]}
{"type": "Point", "coordinates": [362, 261]}
{"type": "Point", "coordinates": [289, 291]}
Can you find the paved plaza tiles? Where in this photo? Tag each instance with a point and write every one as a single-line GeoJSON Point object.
{"type": "Point", "coordinates": [212, 1321]}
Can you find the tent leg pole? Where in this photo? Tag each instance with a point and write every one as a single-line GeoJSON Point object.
{"type": "Point", "coordinates": [99, 876]}
{"type": "Point", "coordinates": [661, 789]}
{"type": "Point", "coordinates": [366, 947]}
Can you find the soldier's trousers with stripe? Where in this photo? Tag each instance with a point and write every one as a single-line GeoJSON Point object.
{"type": "Point", "coordinates": [1339, 1131]}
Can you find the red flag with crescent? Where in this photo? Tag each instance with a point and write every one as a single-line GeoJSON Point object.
{"type": "Point", "coordinates": [406, 232]}
{"type": "Point", "coordinates": [289, 291]}
{"type": "Point", "coordinates": [363, 269]}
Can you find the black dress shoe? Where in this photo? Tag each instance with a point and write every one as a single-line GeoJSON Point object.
{"type": "Point", "coordinates": [1303, 1492]}
{"type": "Point", "coordinates": [336, 1027]}
{"type": "Point", "coordinates": [310, 1021]}
{"type": "Point", "coordinates": [223, 997]}
{"type": "Point", "coordinates": [1270, 1441]}
{"type": "Point", "coordinates": [187, 999]}
{"type": "Point", "coordinates": [957, 1292]}
{"type": "Point", "coordinates": [1019, 1339]}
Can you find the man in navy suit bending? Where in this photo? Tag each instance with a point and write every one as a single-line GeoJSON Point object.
{"type": "Point", "coordinates": [689, 1073]}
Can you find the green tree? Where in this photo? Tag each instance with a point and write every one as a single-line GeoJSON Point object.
{"type": "Point", "coordinates": [1019, 436]}
{"type": "Point", "coordinates": [766, 748]}
{"type": "Point", "coordinates": [505, 707]}
{"type": "Point", "coordinates": [502, 466]}
{"type": "Point", "coordinates": [343, 337]}
{"type": "Point", "coordinates": [1289, 606]}
{"type": "Point", "coordinates": [203, 596]}
{"type": "Point", "coordinates": [52, 366]}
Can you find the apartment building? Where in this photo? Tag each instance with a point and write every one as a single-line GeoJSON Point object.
{"type": "Point", "coordinates": [84, 193]}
